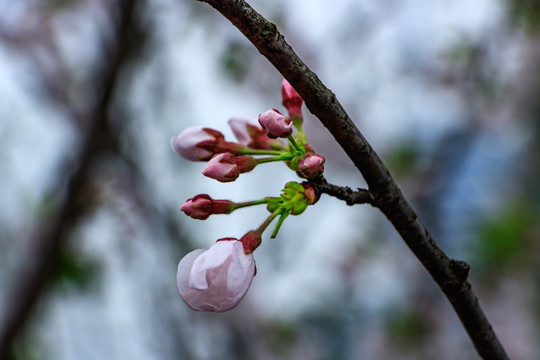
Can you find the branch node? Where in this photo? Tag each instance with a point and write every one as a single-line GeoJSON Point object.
{"type": "Point", "coordinates": [268, 31]}
{"type": "Point", "coordinates": [460, 269]}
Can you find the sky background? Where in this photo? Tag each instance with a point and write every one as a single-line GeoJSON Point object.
{"type": "Point", "coordinates": [446, 93]}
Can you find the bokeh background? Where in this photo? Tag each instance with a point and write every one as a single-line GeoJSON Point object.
{"type": "Point", "coordinates": [91, 91]}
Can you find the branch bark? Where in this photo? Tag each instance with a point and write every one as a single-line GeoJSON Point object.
{"type": "Point", "coordinates": [450, 275]}
{"type": "Point", "coordinates": [345, 193]}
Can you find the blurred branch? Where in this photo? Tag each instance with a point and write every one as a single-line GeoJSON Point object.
{"type": "Point", "coordinates": [451, 276]}
{"type": "Point", "coordinates": [32, 281]}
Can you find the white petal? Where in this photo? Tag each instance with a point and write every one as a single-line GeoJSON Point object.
{"type": "Point", "coordinates": [190, 296]}
{"type": "Point", "coordinates": [212, 258]}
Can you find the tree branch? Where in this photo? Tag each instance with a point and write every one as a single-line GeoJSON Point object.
{"type": "Point", "coordinates": [345, 193]}
{"type": "Point", "coordinates": [385, 194]}
{"type": "Point", "coordinates": [33, 279]}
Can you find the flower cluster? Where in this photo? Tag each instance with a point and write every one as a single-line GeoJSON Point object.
{"type": "Point", "coordinates": [218, 278]}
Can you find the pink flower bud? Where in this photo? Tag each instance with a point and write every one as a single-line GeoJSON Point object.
{"type": "Point", "coordinates": [226, 167]}
{"type": "Point", "coordinates": [248, 132]}
{"type": "Point", "coordinates": [275, 124]}
{"type": "Point", "coordinates": [311, 165]}
{"type": "Point", "coordinates": [243, 127]}
{"type": "Point", "coordinates": [310, 193]}
{"type": "Point", "coordinates": [199, 144]}
{"type": "Point", "coordinates": [246, 163]}
{"type": "Point", "coordinates": [222, 167]}
{"type": "Point", "coordinates": [192, 143]}
{"type": "Point", "coordinates": [201, 206]}
{"type": "Point", "coordinates": [291, 100]}
{"type": "Point", "coordinates": [215, 279]}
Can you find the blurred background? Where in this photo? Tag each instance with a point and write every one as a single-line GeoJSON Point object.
{"type": "Point", "coordinates": [91, 91]}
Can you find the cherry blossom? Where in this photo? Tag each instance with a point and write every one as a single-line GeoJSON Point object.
{"type": "Point", "coordinates": [215, 279]}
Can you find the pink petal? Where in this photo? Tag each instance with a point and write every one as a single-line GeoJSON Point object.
{"type": "Point", "coordinates": [185, 144]}
{"type": "Point", "coordinates": [239, 128]}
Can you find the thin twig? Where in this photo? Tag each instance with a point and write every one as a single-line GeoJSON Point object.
{"type": "Point", "coordinates": [384, 191]}
{"type": "Point", "coordinates": [345, 193]}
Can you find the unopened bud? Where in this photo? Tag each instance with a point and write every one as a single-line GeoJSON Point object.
{"type": "Point", "coordinates": [201, 206]}
{"type": "Point", "coordinates": [249, 133]}
{"type": "Point", "coordinates": [222, 167]}
{"type": "Point", "coordinates": [291, 100]}
{"type": "Point", "coordinates": [311, 165]}
{"type": "Point", "coordinates": [275, 124]}
{"type": "Point", "coordinates": [192, 143]}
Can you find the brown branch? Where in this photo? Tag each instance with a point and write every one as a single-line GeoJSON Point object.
{"type": "Point", "coordinates": [33, 279]}
{"type": "Point", "coordinates": [449, 275]}
{"type": "Point", "coordinates": [345, 193]}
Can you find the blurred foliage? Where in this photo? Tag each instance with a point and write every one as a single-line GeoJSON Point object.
{"type": "Point", "coordinates": [407, 329]}
{"type": "Point", "coordinates": [26, 348]}
{"type": "Point", "coordinates": [469, 64]}
{"type": "Point", "coordinates": [234, 62]}
{"type": "Point", "coordinates": [525, 13]}
{"type": "Point", "coordinates": [73, 271]}
{"type": "Point", "coordinates": [59, 4]}
{"type": "Point", "coordinates": [402, 159]}
{"type": "Point", "coordinates": [503, 240]}
{"type": "Point", "coordinates": [281, 337]}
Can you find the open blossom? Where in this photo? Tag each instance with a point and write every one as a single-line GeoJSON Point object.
{"type": "Point", "coordinates": [226, 167]}
{"type": "Point", "coordinates": [198, 143]}
{"type": "Point", "coordinates": [275, 124]}
{"type": "Point", "coordinates": [291, 100]}
{"type": "Point", "coordinates": [215, 279]}
{"type": "Point", "coordinates": [249, 133]}
{"type": "Point", "coordinates": [201, 206]}
{"type": "Point", "coordinates": [311, 165]}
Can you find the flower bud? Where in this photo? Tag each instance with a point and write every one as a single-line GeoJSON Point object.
{"type": "Point", "coordinates": [222, 167]}
{"type": "Point", "coordinates": [246, 163]}
{"type": "Point", "coordinates": [311, 194]}
{"type": "Point", "coordinates": [189, 144]}
{"type": "Point", "coordinates": [226, 167]}
{"type": "Point", "coordinates": [291, 100]}
{"type": "Point", "coordinates": [215, 279]}
{"type": "Point", "coordinates": [311, 165]}
{"type": "Point", "coordinates": [275, 124]}
{"type": "Point", "coordinates": [200, 143]}
{"type": "Point", "coordinates": [249, 133]}
{"type": "Point", "coordinates": [201, 206]}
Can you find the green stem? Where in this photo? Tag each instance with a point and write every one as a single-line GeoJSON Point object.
{"type": "Point", "coordinates": [292, 140]}
{"type": "Point", "coordinates": [267, 222]}
{"type": "Point", "coordinates": [278, 225]}
{"type": "Point", "coordinates": [283, 157]}
{"type": "Point", "coordinates": [248, 203]}
{"type": "Point", "coordinates": [250, 151]}
{"type": "Point", "coordinates": [297, 122]}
